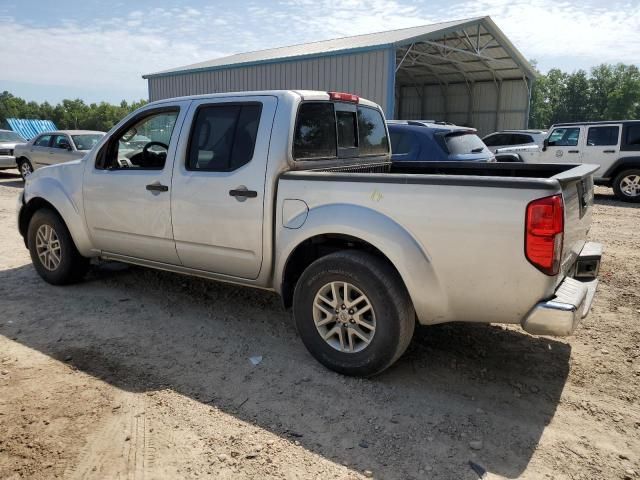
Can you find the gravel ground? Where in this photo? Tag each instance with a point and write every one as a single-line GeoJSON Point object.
{"type": "Point", "coordinates": [136, 373]}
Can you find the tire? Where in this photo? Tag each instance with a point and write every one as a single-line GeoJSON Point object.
{"type": "Point", "coordinates": [625, 183]}
{"type": "Point", "coordinates": [71, 266]}
{"type": "Point", "coordinates": [393, 316]}
{"type": "Point", "coordinates": [25, 168]}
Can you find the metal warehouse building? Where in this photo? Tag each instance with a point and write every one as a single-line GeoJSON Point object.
{"type": "Point", "coordinates": [466, 72]}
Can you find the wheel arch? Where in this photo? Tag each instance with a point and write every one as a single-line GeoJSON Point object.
{"type": "Point", "coordinates": [339, 227]}
{"type": "Point", "coordinates": [49, 193]}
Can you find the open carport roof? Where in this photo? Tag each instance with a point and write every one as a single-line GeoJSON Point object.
{"type": "Point", "coordinates": [449, 52]}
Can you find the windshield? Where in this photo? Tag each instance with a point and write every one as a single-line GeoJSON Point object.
{"type": "Point", "coordinates": [464, 142]}
{"type": "Point", "coordinates": [11, 137]}
{"type": "Point", "coordinates": [86, 142]}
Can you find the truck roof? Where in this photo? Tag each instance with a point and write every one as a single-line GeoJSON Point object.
{"type": "Point", "coordinates": [317, 95]}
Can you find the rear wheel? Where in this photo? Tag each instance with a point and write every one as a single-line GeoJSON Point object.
{"type": "Point", "coordinates": [25, 168]}
{"type": "Point", "coordinates": [353, 313]}
{"type": "Point", "coordinates": [52, 250]}
{"type": "Point", "coordinates": [626, 185]}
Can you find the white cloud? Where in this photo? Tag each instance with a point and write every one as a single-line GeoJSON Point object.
{"type": "Point", "coordinates": [109, 53]}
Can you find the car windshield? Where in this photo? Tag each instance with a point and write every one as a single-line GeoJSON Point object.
{"type": "Point", "coordinates": [11, 137]}
{"type": "Point", "coordinates": [86, 142]}
{"type": "Point", "coordinates": [464, 142]}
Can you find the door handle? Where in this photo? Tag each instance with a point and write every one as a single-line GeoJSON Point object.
{"type": "Point", "coordinates": [574, 151]}
{"type": "Point", "coordinates": [157, 187]}
{"type": "Point", "coordinates": [608, 151]}
{"type": "Point", "coordinates": [243, 192]}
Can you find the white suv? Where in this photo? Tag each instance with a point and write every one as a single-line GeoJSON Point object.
{"type": "Point", "coordinates": [615, 146]}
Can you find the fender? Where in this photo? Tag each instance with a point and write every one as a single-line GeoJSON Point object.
{"type": "Point", "coordinates": [620, 163]}
{"type": "Point", "coordinates": [404, 251]}
{"type": "Point", "coordinates": [66, 197]}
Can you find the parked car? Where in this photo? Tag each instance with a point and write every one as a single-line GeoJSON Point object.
{"type": "Point", "coordinates": [294, 191]}
{"type": "Point", "coordinates": [8, 142]}
{"type": "Point", "coordinates": [424, 140]}
{"type": "Point", "coordinates": [511, 138]}
{"type": "Point", "coordinates": [614, 146]}
{"type": "Point", "coordinates": [50, 148]}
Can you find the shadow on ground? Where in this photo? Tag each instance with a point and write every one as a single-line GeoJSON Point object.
{"type": "Point", "coordinates": [143, 330]}
{"type": "Point", "coordinates": [10, 179]}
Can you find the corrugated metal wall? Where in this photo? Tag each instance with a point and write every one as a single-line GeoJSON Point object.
{"type": "Point", "coordinates": [365, 74]}
{"type": "Point", "coordinates": [489, 111]}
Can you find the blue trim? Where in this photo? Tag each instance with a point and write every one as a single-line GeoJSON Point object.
{"type": "Point", "coordinates": [295, 58]}
{"type": "Point", "coordinates": [391, 84]}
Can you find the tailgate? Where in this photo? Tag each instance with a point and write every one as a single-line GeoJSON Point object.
{"type": "Point", "coordinates": [577, 193]}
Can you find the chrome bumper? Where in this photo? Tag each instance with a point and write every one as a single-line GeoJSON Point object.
{"type": "Point", "coordinates": [572, 300]}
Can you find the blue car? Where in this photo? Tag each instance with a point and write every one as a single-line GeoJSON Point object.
{"type": "Point", "coordinates": [428, 141]}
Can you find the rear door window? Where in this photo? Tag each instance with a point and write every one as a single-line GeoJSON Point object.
{"type": "Point", "coordinates": [372, 134]}
{"type": "Point", "coordinates": [603, 136]}
{"type": "Point", "coordinates": [223, 137]}
{"type": "Point", "coordinates": [496, 140]}
{"type": "Point", "coordinates": [521, 139]}
{"type": "Point", "coordinates": [315, 134]}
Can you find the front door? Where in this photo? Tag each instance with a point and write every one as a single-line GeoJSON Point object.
{"type": "Point", "coordinates": [39, 151]}
{"type": "Point", "coordinates": [564, 145]}
{"type": "Point", "coordinates": [218, 195]}
{"type": "Point", "coordinates": [603, 146]}
{"type": "Point", "coordinates": [127, 186]}
{"type": "Point", "coordinates": [61, 150]}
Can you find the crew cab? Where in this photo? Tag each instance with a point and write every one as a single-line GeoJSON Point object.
{"type": "Point", "coordinates": [613, 146]}
{"type": "Point", "coordinates": [294, 191]}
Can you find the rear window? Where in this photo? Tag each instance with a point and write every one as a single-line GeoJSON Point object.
{"type": "Point", "coordinates": [322, 132]}
{"type": "Point", "coordinates": [461, 143]}
{"type": "Point", "coordinates": [372, 134]}
{"type": "Point", "coordinates": [633, 135]}
{"type": "Point", "coordinates": [315, 135]}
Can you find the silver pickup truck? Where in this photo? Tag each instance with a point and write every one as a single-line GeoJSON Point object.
{"type": "Point", "coordinates": [294, 191]}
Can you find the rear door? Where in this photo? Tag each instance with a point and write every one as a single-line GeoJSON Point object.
{"type": "Point", "coordinates": [564, 145]}
{"type": "Point", "coordinates": [602, 146]}
{"type": "Point", "coordinates": [218, 202]}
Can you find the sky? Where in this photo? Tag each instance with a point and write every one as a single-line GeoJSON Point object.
{"type": "Point", "coordinates": [99, 50]}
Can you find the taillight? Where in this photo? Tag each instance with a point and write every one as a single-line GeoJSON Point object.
{"type": "Point", "coordinates": [544, 233]}
{"type": "Point", "coordinates": [344, 97]}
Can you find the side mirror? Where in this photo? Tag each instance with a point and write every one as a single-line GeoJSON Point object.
{"type": "Point", "coordinates": [545, 144]}
{"type": "Point", "coordinates": [64, 146]}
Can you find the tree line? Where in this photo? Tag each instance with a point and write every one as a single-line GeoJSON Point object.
{"type": "Point", "coordinates": [68, 114]}
{"type": "Point", "coordinates": [607, 92]}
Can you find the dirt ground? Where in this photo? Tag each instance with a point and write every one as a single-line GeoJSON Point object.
{"type": "Point", "coordinates": [142, 374]}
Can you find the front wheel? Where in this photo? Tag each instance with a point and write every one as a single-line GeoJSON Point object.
{"type": "Point", "coordinates": [25, 168]}
{"type": "Point", "coordinates": [353, 313]}
{"type": "Point", "coordinates": [53, 253]}
{"type": "Point", "coordinates": [626, 185]}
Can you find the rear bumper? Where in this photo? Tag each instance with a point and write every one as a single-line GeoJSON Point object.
{"type": "Point", "coordinates": [572, 300]}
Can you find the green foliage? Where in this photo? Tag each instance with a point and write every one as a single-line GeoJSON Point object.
{"type": "Point", "coordinates": [609, 92]}
{"type": "Point", "coordinates": [69, 114]}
